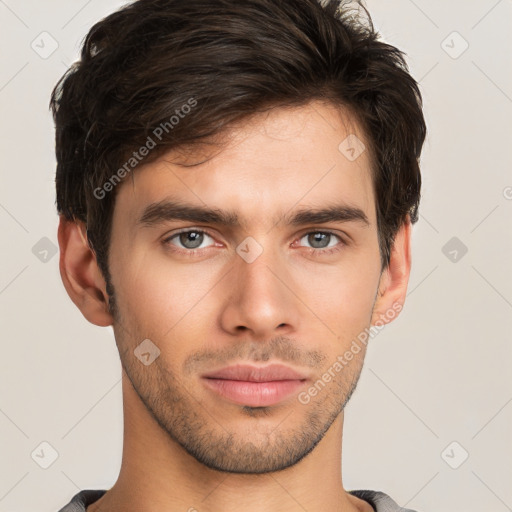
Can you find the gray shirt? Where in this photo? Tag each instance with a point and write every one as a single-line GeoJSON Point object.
{"type": "Point", "coordinates": [378, 500]}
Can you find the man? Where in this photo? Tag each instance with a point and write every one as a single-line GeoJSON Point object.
{"type": "Point", "coordinates": [236, 183]}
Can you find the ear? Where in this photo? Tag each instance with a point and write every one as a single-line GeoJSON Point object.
{"type": "Point", "coordinates": [80, 273]}
{"type": "Point", "coordinates": [394, 279]}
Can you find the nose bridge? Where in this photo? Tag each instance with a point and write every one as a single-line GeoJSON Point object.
{"type": "Point", "coordinates": [255, 264]}
{"type": "Point", "coordinates": [256, 269]}
{"type": "Point", "coordinates": [259, 300]}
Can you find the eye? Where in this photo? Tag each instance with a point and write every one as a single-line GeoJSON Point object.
{"type": "Point", "coordinates": [189, 240]}
{"type": "Point", "coordinates": [321, 241]}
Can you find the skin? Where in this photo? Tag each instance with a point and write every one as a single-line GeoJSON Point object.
{"type": "Point", "coordinates": [186, 448]}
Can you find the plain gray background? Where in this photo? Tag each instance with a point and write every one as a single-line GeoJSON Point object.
{"type": "Point", "coordinates": [430, 422]}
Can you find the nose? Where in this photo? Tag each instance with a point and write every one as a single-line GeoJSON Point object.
{"type": "Point", "coordinates": [260, 298]}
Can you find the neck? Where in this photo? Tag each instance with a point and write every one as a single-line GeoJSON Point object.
{"type": "Point", "coordinates": [158, 474]}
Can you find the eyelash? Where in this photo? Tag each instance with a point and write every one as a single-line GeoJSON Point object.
{"type": "Point", "coordinates": [312, 252]}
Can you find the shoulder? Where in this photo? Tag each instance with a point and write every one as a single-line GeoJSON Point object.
{"type": "Point", "coordinates": [82, 500]}
{"type": "Point", "coordinates": [380, 501]}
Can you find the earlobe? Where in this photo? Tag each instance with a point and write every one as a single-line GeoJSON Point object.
{"type": "Point", "coordinates": [80, 273]}
{"type": "Point", "coordinates": [394, 279]}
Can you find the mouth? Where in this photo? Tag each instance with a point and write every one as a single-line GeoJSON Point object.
{"type": "Point", "coordinates": [255, 386]}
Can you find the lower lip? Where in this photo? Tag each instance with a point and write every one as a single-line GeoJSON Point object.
{"type": "Point", "coordinates": [254, 394]}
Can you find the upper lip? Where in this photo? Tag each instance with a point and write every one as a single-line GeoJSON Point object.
{"type": "Point", "coordinates": [250, 373]}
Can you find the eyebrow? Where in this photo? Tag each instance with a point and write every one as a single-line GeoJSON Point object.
{"type": "Point", "coordinates": [170, 210]}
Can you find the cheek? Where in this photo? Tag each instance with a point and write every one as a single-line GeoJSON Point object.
{"type": "Point", "coordinates": [159, 297]}
{"type": "Point", "coordinates": [344, 292]}
{"type": "Point", "coordinates": [342, 299]}
{"type": "Point", "coordinates": [355, 299]}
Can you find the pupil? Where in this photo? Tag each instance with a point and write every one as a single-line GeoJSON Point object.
{"type": "Point", "coordinates": [196, 237]}
{"type": "Point", "coordinates": [318, 237]}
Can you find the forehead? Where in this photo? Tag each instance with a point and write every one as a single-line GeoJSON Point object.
{"type": "Point", "coordinates": [269, 165]}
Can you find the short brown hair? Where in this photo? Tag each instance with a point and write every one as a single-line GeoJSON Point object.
{"type": "Point", "coordinates": [141, 65]}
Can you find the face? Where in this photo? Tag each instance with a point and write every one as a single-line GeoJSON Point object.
{"type": "Point", "coordinates": [268, 287]}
